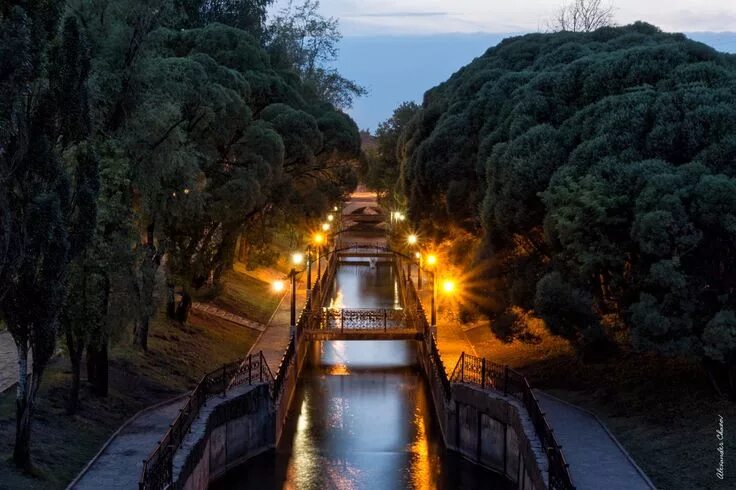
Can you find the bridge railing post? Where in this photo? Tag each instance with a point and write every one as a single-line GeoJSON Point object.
{"type": "Point", "coordinates": [483, 373]}
{"type": "Point", "coordinates": [385, 314]}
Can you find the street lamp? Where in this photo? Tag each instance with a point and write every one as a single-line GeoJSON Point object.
{"type": "Point", "coordinates": [411, 240]}
{"type": "Point", "coordinates": [319, 240]}
{"type": "Point", "coordinates": [431, 262]}
{"type": "Point", "coordinates": [330, 217]}
{"type": "Point", "coordinates": [278, 286]}
{"type": "Point", "coordinates": [419, 270]}
{"type": "Point", "coordinates": [325, 227]}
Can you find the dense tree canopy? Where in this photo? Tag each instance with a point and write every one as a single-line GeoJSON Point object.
{"type": "Point", "coordinates": [141, 137]}
{"type": "Point", "coordinates": [599, 169]}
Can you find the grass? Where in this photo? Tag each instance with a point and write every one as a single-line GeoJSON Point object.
{"type": "Point", "coordinates": [62, 445]}
{"type": "Point", "coordinates": [247, 295]}
{"type": "Point", "coordinates": [663, 411]}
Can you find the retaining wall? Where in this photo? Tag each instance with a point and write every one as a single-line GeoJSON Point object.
{"type": "Point", "coordinates": [489, 429]}
{"type": "Point", "coordinates": [236, 430]}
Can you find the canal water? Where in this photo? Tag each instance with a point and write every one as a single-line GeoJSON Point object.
{"type": "Point", "coordinates": [362, 417]}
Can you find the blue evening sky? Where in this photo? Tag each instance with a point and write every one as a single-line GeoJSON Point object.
{"type": "Point", "coordinates": [398, 50]}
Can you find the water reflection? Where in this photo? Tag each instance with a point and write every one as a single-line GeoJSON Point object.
{"type": "Point", "coordinates": [360, 285]}
{"type": "Point", "coordinates": [362, 417]}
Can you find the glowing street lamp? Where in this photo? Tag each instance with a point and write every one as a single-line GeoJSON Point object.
{"type": "Point", "coordinates": [325, 227]}
{"type": "Point", "coordinates": [297, 258]}
{"type": "Point", "coordinates": [448, 286]}
{"type": "Point", "coordinates": [412, 239]}
{"type": "Point", "coordinates": [330, 217]}
{"type": "Point", "coordinates": [319, 240]}
{"type": "Point", "coordinates": [278, 286]}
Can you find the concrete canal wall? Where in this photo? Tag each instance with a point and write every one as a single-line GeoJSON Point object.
{"type": "Point", "coordinates": [495, 431]}
{"type": "Point", "coordinates": [236, 430]}
{"type": "Point", "coordinates": [487, 428]}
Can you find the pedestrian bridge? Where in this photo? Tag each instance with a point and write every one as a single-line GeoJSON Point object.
{"type": "Point", "coordinates": [361, 324]}
{"type": "Point", "coordinates": [320, 322]}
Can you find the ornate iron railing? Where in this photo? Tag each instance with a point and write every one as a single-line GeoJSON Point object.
{"type": "Point", "coordinates": [486, 374]}
{"type": "Point", "coordinates": [357, 319]}
{"type": "Point", "coordinates": [157, 470]}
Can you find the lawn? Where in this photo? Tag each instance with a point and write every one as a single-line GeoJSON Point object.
{"type": "Point", "coordinates": [62, 445]}
{"type": "Point", "coordinates": [663, 411]}
{"type": "Point", "coordinates": [245, 294]}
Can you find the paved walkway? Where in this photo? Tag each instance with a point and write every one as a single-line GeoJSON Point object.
{"type": "Point", "coordinates": [8, 362]}
{"type": "Point", "coordinates": [226, 315]}
{"type": "Point", "coordinates": [119, 465]}
{"type": "Point", "coordinates": [596, 459]}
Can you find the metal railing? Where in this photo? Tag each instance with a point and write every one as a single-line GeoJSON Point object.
{"type": "Point", "coordinates": [157, 470]}
{"type": "Point", "coordinates": [357, 319]}
{"type": "Point", "coordinates": [486, 374]}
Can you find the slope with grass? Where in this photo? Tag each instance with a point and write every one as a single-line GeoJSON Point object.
{"type": "Point", "coordinates": [178, 355]}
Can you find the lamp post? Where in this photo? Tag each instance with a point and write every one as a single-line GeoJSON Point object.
{"type": "Point", "coordinates": [431, 262]}
{"type": "Point", "coordinates": [419, 270]}
{"type": "Point", "coordinates": [296, 259]}
{"type": "Point", "coordinates": [309, 268]}
{"type": "Point", "coordinates": [318, 240]}
{"type": "Point", "coordinates": [411, 240]}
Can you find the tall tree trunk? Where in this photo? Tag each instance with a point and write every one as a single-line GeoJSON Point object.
{"type": "Point", "coordinates": [171, 301]}
{"type": "Point", "coordinates": [97, 365]}
{"type": "Point", "coordinates": [24, 403]}
{"type": "Point", "coordinates": [182, 310]}
{"type": "Point", "coordinates": [23, 409]}
{"type": "Point", "coordinates": [75, 348]}
{"type": "Point", "coordinates": [141, 333]}
{"type": "Point", "coordinates": [91, 363]}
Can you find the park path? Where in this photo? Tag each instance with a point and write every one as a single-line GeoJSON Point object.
{"type": "Point", "coordinates": [8, 362]}
{"type": "Point", "coordinates": [596, 459]}
{"type": "Point", "coordinates": [119, 465]}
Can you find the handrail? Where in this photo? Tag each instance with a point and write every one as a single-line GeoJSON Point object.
{"type": "Point", "coordinates": [157, 470]}
{"type": "Point", "coordinates": [486, 374]}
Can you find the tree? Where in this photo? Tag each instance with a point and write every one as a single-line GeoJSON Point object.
{"type": "Point", "coordinates": [383, 165]}
{"type": "Point", "coordinates": [51, 200]}
{"type": "Point", "coordinates": [599, 167]}
{"type": "Point", "coordinates": [583, 16]}
{"type": "Point", "coordinates": [248, 15]}
{"type": "Point", "coordinates": [300, 38]}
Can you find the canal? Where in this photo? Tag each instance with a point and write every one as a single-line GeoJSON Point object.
{"type": "Point", "coordinates": [362, 417]}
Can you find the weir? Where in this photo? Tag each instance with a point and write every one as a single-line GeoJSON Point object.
{"type": "Point", "coordinates": [485, 413]}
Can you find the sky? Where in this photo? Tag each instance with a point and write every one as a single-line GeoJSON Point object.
{"type": "Point", "coordinates": [398, 49]}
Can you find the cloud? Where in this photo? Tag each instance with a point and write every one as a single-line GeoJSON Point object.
{"type": "Point", "coordinates": [402, 14]}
